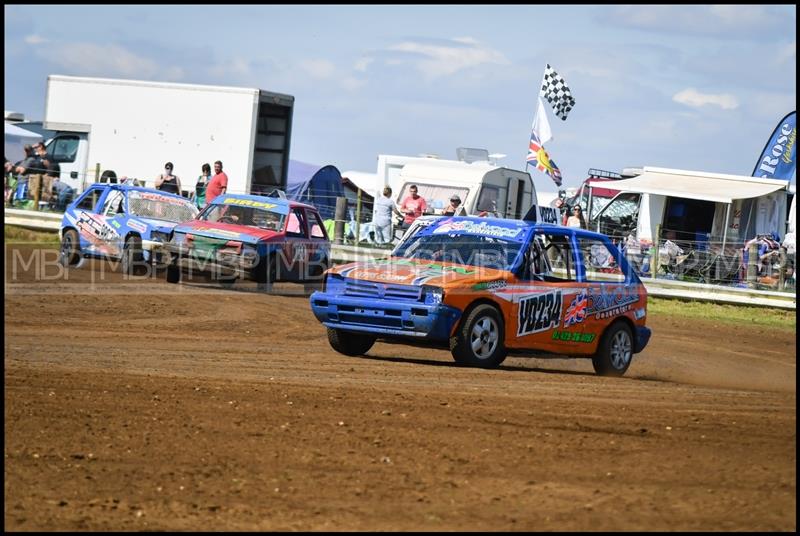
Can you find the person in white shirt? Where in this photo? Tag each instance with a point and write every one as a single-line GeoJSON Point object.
{"type": "Point", "coordinates": [383, 209]}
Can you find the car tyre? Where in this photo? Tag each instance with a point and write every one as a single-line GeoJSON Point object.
{"type": "Point", "coordinates": [227, 281]}
{"type": "Point", "coordinates": [173, 273]}
{"type": "Point", "coordinates": [350, 343]}
{"type": "Point", "coordinates": [70, 254]}
{"type": "Point", "coordinates": [479, 341]}
{"type": "Point", "coordinates": [615, 351]}
{"type": "Point", "coordinates": [132, 257]}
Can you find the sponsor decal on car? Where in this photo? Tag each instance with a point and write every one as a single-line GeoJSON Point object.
{"type": "Point", "coordinates": [490, 285]}
{"type": "Point", "coordinates": [607, 301]}
{"type": "Point", "coordinates": [136, 225]}
{"type": "Point", "coordinates": [222, 232]}
{"type": "Point", "coordinates": [639, 313]}
{"type": "Point", "coordinates": [576, 312]}
{"type": "Point", "coordinates": [156, 197]}
{"type": "Point", "coordinates": [573, 336]}
{"type": "Point", "coordinates": [248, 203]}
{"type": "Point", "coordinates": [481, 228]}
{"type": "Point", "coordinates": [539, 312]}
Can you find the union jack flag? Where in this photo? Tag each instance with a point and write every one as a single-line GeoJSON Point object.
{"type": "Point", "coordinates": [537, 156]}
{"type": "Point", "coordinates": [576, 312]}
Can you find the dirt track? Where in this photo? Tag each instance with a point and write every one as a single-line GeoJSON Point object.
{"type": "Point", "coordinates": [138, 405]}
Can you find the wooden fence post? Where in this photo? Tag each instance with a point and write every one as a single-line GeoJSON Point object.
{"type": "Point", "coordinates": [752, 265]}
{"type": "Point", "coordinates": [339, 219]}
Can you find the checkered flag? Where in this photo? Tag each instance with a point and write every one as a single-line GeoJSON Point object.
{"type": "Point", "coordinates": [557, 92]}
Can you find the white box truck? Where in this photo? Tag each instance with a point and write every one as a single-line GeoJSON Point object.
{"type": "Point", "coordinates": [134, 127]}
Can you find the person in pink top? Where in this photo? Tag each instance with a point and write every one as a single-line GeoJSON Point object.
{"type": "Point", "coordinates": [218, 184]}
{"type": "Point", "coordinates": [412, 206]}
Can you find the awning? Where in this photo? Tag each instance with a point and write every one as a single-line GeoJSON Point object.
{"type": "Point", "coordinates": [716, 187]}
{"type": "Point", "coordinates": [16, 139]}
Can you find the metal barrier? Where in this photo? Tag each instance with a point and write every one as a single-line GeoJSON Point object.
{"type": "Point", "coordinates": [32, 219]}
{"type": "Point", "coordinates": [343, 253]}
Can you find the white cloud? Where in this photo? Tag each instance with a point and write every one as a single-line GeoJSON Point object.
{"type": "Point", "coordinates": [362, 64]}
{"type": "Point", "coordinates": [695, 99]}
{"type": "Point", "coordinates": [318, 68]}
{"type": "Point", "coordinates": [444, 59]}
{"type": "Point", "coordinates": [107, 60]}
{"type": "Point", "coordinates": [733, 21]}
{"type": "Point", "coordinates": [351, 83]}
{"type": "Point", "coordinates": [788, 53]}
{"type": "Point", "coordinates": [236, 67]}
{"type": "Point", "coordinates": [35, 39]}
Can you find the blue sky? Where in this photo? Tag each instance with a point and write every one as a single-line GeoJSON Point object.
{"type": "Point", "coordinates": [689, 87]}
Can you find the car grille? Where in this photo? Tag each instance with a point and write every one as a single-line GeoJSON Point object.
{"type": "Point", "coordinates": [369, 289]}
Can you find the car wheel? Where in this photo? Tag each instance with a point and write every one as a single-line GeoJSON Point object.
{"type": "Point", "coordinates": [173, 273]}
{"type": "Point", "coordinates": [350, 343]}
{"type": "Point", "coordinates": [479, 341]}
{"type": "Point", "coordinates": [264, 273]}
{"type": "Point", "coordinates": [132, 258]}
{"type": "Point", "coordinates": [615, 351]}
{"type": "Point", "coordinates": [69, 254]}
{"type": "Point", "coordinates": [227, 281]}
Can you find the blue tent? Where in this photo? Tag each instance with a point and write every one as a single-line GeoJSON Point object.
{"type": "Point", "coordinates": [315, 185]}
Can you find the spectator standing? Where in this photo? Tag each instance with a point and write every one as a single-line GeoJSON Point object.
{"type": "Point", "coordinates": [413, 206]}
{"type": "Point", "coordinates": [218, 185]}
{"type": "Point", "coordinates": [167, 182]}
{"type": "Point", "coordinates": [383, 210]}
{"type": "Point", "coordinates": [30, 165]}
{"type": "Point", "coordinates": [576, 219]}
{"type": "Point", "coordinates": [454, 208]}
{"type": "Point", "coordinates": [202, 184]}
{"type": "Point", "coordinates": [9, 182]}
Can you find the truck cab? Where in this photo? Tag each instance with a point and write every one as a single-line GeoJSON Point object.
{"type": "Point", "coordinates": [70, 150]}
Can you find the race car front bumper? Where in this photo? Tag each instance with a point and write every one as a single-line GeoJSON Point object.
{"type": "Point", "coordinates": [385, 317]}
{"type": "Point", "coordinates": [221, 261]}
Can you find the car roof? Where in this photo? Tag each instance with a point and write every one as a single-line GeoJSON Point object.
{"type": "Point", "coordinates": [266, 199]}
{"type": "Point", "coordinates": [529, 224]}
{"type": "Point", "coordinates": [132, 188]}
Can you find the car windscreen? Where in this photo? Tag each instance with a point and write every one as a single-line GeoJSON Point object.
{"type": "Point", "coordinates": [161, 207]}
{"type": "Point", "coordinates": [467, 249]}
{"type": "Point", "coordinates": [260, 217]}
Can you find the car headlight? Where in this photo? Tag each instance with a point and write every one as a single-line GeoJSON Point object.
{"type": "Point", "coordinates": [432, 295]}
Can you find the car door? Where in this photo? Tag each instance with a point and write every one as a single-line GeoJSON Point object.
{"type": "Point", "coordinates": [93, 230]}
{"type": "Point", "coordinates": [609, 294]}
{"type": "Point", "coordinates": [113, 217]}
{"type": "Point", "coordinates": [318, 253]}
{"type": "Point", "coordinates": [294, 255]}
{"type": "Point", "coordinates": [548, 297]}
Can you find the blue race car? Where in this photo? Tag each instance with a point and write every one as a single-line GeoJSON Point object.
{"type": "Point", "coordinates": [121, 222]}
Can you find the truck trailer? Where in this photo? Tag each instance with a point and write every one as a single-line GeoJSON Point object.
{"type": "Point", "coordinates": [134, 127]}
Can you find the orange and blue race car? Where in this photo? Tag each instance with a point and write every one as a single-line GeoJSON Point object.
{"type": "Point", "coordinates": [484, 288]}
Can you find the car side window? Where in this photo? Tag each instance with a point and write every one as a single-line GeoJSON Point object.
{"type": "Point", "coordinates": [317, 228]}
{"type": "Point", "coordinates": [90, 199]}
{"type": "Point", "coordinates": [296, 224]}
{"type": "Point", "coordinates": [113, 204]}
{"type": "Point", "coordinates": [599, 262]}
{"type": "Point", "coordinates": [550, 258]}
